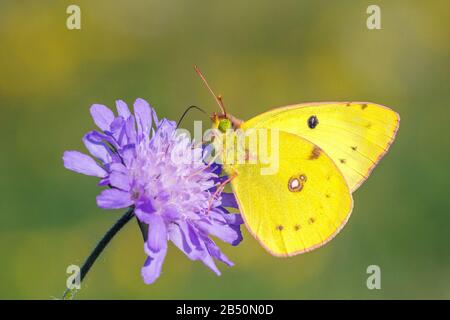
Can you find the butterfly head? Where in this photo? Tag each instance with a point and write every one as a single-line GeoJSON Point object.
{"type": "Point", "coordinates": [225, 122]}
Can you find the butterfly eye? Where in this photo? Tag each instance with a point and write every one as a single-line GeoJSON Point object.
{"type": "Point", "coordinates": [313, 122]}
{"type": "Point", "coordinates": [224, 125]}
{"type": "Point", "coordinates": [295, 184]}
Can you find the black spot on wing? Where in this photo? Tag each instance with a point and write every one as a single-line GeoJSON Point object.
{"type": "Point", "coordinates": [312, 122]}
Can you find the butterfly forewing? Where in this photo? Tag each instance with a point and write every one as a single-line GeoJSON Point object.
{"type": "Point", "coordinates": [355, 135]}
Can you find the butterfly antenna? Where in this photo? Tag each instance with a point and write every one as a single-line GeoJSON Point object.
{"type": "Point", "coordinates": [218, 98]}
{"type": "Point", "coordinates": [182, 117]}
{"type": "Point", "coordinates": [186, 111]}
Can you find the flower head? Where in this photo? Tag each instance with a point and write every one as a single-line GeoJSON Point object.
{"type": "Point", "coordinates": [174, 199]}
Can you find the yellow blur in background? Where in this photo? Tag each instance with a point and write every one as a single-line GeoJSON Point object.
{"type": "Point", "coordinates": [258, 54]}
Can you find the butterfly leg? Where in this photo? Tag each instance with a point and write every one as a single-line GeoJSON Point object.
{"type": "Point", "coordinates": [220, 190]}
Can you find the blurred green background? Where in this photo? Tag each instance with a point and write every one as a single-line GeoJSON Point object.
{"type": "Point", "coordinates": [258, 54]}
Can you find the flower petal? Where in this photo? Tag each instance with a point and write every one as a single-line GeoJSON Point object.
{"type": "Point", "coordinates": [117, 124]}
{"type": "Point", "coordinates": [119, 167]}
{"type": "Point", "coordinates": [215, 168]}
{"type": "Point", "coordinates": [224, 232]}
{"type": "Point", "coordinates": [170, 212]}
{"type": "Point", "coordinates": [142, 112]}
{"type": "Point", "coordinates": [157, 233]}
{"type": "Point", "coordinates": [122, 109]}
{"type": "Point", "coordinates": [155, 118]}
{"type": "Point", "coordinates": [182, 237]}
{"type": "Point", "coordinates": [144, 209]}
{"type": "Point", "coordinates": [97, 147]}
{"type": "Point", "coordinates": [188, 243]}
{"type": "Point", "coordinates": [130, 128]}
{"type": "Point", "coordinates": [102, 116]}
{"type": "Point", "coordinates": [82, 163]}
{"type": "Point", "coordinates": [118, 130]}
{"type": "Point", "coordinates": [233, 219]}
{"type": "Point", "coordinates": [97, 136]}
{"type": "Point", "coordinates": [229, 200]}
{"type": "Point", "coordinates": [103, 182]}
{"type": "Point", "coordinates": [120, 180]}
{"type": "Point", "coordinates": [178, 238]}
{"type": "Point", "coordinates": [153, 265]}
{"type": "Point", "coordinates": [209, 262]}
{"type": "Point", "coordinates": [128, 154]}
{"type": "Point", "coordinates": [114, 199]}
{"type": "Point", "coordinates": [215, 251]}
{"type": "Point", "coordinates": [193, 236]}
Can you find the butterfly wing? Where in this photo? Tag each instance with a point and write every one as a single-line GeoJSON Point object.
{"type": "Point", "coordinates": [298, 208]}
{"type": "Point", "coordinates": [355, 135]}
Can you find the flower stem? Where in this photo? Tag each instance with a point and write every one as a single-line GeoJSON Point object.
{"type": "Point", "coordinates": [101, 245]}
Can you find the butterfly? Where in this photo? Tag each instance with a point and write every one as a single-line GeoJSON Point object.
{"type": "Point", "coordinates": [325, 152]}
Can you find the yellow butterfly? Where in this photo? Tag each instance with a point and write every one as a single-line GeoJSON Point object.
{"type": "Point", "coordinates": [325, 152]}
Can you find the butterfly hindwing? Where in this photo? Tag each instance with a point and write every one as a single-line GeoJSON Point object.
{"type": "Point", "coordinates": [298, 208]}
{"type": "Point", "coordinates": [355, 135]}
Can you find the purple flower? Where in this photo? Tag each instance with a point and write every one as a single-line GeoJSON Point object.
{"type": "Point", "coordinates": [136, 157]}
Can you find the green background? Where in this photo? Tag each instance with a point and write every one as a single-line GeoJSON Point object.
{"type": "Point", "coordinates": [258, 54]}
